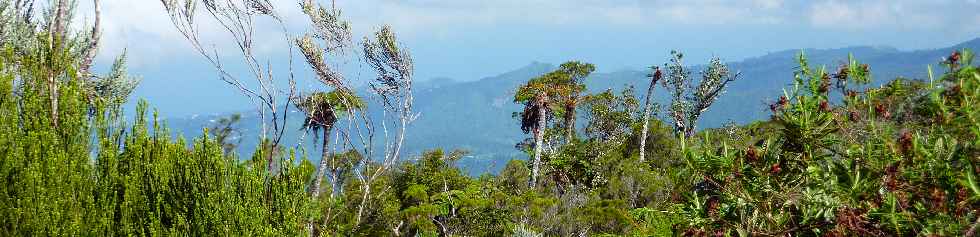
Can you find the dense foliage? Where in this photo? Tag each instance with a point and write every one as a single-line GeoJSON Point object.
{"type": "Point", "coordinates": [837, 158]}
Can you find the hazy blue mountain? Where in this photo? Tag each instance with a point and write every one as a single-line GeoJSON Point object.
{"type": "Point", "coordinates": [477, 115]}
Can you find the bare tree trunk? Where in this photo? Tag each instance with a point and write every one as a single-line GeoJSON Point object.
{"type": "Point", "coordinates": [538, 141]}
{"type": "Point", "coordinates": [57, 37]}
{"type": "Point", "coordinates": [334, 186]}
{"type": "Point", "coordinates": [364, 199]}
{"type": "Point", "coordinates": [53, 96]}
{"type": "Point", "coordinates": [319, 172]}
{"type": "Point", "coordinates": [93, 46]}
{"type": "Point", "coordinates": [680, 123]}
{"type": "Point", "coordinates": [59, 19]}
{"type": "Point", "coordinates": [405, 118]}
{"type": "Point", "coordinates": [570, 120]}
{"type": "Point", "coordinates": [324, 157]}
{"type": "Point", "coordinates": [646, 122]}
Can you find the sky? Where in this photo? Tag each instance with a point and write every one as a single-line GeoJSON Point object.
{"type": "Point", "coordinates": [472, 39]}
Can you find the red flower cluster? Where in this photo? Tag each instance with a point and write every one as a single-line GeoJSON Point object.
{"type": "Point", "coordinates": [882, 110]}
{"type": "Point", "coordinates": [891, 177]}
{"type": "Point", "coordinates": [775, 169]}
{"type": "Point", "coordinates": [824, 84]}
{"type": "Point", "coordinates": [779, 105]}
{"type": "Point", "coordinates": [905, 142]}
{"type": "Point", "coordinates": [953, 58]}
{"type": "Point", "coordinates": [853, 116]}
{"type": "Point", "coordinates": [824, 106]}
{"type": "Point", "coordinates": [657, 75]}
{"type": "Point", "coordinates": [752, 154]}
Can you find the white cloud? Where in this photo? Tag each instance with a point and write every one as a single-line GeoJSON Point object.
{"type": "Point", "coordinates": [143, 27]}
{"type": "Point", "coordinates": [412, 15]}
{"type": "Point", "coordinates": [145, 30]}
{"type": "Point", "coordinates": [891, 14]}
{"type": "Point", "coordinates": [769, 4]}
{"type": "Point", "coordinates": [131, 24]}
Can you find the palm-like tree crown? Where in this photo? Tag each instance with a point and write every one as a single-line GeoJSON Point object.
{"type": "Point", "coordinates": [551, 87]}
{"type": "Point", "coordinates": [323, 108]}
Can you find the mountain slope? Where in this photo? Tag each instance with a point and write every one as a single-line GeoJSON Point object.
{"type": "Point", "coordinates": [477, 115]}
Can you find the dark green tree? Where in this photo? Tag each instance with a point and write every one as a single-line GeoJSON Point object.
{"type": "Point", "coordinates": [575, 73]}
{"type": "Point", "coordinates": [226, 133]}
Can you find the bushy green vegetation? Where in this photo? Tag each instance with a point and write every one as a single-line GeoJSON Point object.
{"type": "Point", "coordinates": [837, 158]}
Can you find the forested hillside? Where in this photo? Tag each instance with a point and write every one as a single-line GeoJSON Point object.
{"type": "Point", "coordinates": [840, 152]}
{"type": "Point", "coordinates": [474, 115]}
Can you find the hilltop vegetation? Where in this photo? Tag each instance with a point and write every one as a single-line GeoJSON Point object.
{"type": "Point", "coordinates": [839, 155]}
{"type": "Point", "coordinates": [467, 113]}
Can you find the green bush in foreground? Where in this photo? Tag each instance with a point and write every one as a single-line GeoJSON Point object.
{"type": "Point", "coordinates": [900, 159]}
{"type": "Point", "coordinates": [837, 158]}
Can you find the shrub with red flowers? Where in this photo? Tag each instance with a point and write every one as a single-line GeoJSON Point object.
{"type": "Point", "coordinates": [881, 167]}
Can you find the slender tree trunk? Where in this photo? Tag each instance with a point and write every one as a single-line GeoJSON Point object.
{"type": "Point", "coordinates": [320, 172]}
{"type": "Point", "coordinates": [53, 96]}
{"type": "Point", "coordinates": [538, 141]}
{"type": "Point", "coordinates": [57, 36]}
{"type": "Point", "coordinates": [334, 186]}
{"type": "Point", "coordinates": [59, 20]}
{"type": "Point", "coordinates": [405, 118]}
{"type": "Point", "coordinates": [324, 157]}
{"type": "Point", "coordinates": [646, 121]}
{"type": "Point", "coordinates": [570, 120]}
{"type": "Point", "coordinates": [89, 54]}
{"type": "Point", "coordinates": [265, 140]}
{"type": "Point", "coordinates": [680, 127]}
{"type": "Point", "coordinates": [364, 199]}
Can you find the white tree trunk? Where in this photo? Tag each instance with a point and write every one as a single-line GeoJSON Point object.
{"type": "Point", "coordinates": [646, 122]}
{"type": "Point", "coordinates": [538, 142]}
{"type": "Point", "coordinates": [320, 172]}
{"type": "Point", "coordinates": [322, 169]}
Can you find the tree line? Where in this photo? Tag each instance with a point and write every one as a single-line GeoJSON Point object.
{"type": "Point", "coordinates": [836, 158]}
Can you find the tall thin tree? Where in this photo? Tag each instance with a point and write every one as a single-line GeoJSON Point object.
{"type": "Point", "coordinates": [322, 112]}
{"type": "Point", "coordinates": [239, 18]}
{"type": "Point", "coordinates": [654, 78]}
{"type": "Point", "coordinates": [394, 67]}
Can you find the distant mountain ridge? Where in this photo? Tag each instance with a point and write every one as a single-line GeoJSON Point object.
{"type": "Point", "coordinates": [477, 115]}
